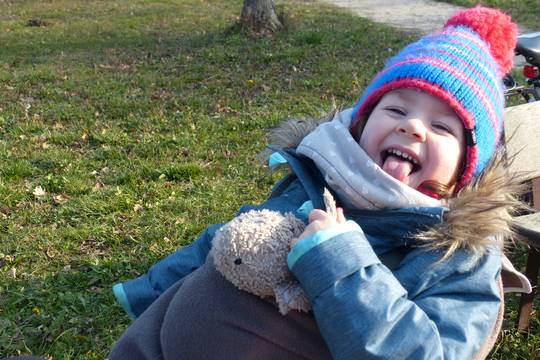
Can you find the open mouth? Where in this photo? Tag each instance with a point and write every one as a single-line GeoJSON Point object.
{"type": "Point", "coordinates": [399, 164]}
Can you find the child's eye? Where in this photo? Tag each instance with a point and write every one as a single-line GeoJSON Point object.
{"type": "Point", "coordinates": [443, 127]}
{"type": "Point", "coordinates": [397, 111]}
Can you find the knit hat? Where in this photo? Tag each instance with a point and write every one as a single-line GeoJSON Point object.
{"type": "Point", "coordinates": [463, 64]}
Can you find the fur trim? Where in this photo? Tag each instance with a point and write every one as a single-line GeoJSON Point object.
{"type": "Point", "coordinates": [479, 216]}
{"type": "Point", "coordinates": [289, 133]}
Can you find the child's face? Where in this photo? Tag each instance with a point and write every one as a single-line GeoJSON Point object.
{"type": "Point", "coordinates": [422, 128]}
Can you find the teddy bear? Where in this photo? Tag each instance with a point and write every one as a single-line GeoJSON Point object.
{"type": "Point", "coordinates": [251, 251]}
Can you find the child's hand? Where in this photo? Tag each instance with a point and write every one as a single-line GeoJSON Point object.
{"type": "Point", "coordinates": [320, 220]}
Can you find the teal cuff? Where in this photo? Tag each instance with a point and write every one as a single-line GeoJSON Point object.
{"type": "Point", "coordinates": [276, 159]}
{"type": "Point", "coordinates": [121, 297]}
{"type": "Point", "coordinates": [304, 210]}
{"type": "Point", "coordinates": [304, 245]}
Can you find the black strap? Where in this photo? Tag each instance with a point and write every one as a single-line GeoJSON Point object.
{"type": "Point", "coordinates": [470, 136]}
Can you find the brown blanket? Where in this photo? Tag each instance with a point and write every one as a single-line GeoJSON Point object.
{"type": "Point", "coordinates": [206, 317]}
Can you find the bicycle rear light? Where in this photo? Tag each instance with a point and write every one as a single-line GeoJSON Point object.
{"type": "Point", "coordinates": [530, 71]}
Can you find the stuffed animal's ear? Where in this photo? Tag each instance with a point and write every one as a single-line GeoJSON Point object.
{"type": "Point", "coordinates": [290, 296]}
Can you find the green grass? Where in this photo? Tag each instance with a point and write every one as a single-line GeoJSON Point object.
{"type": "Point", "coordinates": [524, 12]}
{"type": "Point", "coordinates": [140, 122]}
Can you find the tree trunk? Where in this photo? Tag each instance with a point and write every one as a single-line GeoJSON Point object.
{"type": "Point", "coordinates": [260, 16]}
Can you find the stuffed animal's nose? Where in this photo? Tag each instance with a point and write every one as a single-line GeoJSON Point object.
{"type": "Point", "coordinates": [238, 261]}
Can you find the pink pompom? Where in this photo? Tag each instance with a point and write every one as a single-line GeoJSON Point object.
{"type": "Point", "coordinates": [497, 30]}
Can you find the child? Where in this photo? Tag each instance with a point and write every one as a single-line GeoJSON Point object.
{"type": "Point", "coordinates": [415, 271]}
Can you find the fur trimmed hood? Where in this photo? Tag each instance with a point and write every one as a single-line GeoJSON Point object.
{"type": "Point", "coordinates": [479, 216]}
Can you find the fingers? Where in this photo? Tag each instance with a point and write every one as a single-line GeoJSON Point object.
{"type": "Point", "coordinates": [318, 214]}
{"type": "Point", "coordinates": [340, 217]}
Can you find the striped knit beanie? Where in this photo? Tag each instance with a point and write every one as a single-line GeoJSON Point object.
{"type": "Point", "coordinates": [463, 64]}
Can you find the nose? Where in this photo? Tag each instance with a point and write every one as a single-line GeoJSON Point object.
{"type": "Point", "coordinates": [414, 128]}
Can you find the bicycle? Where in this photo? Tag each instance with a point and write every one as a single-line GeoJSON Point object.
{"type": "Point", "coordinates": [528, 46]}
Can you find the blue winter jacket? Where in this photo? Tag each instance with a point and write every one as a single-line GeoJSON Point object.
{"type": "Point", "coordinates": [375, 295]}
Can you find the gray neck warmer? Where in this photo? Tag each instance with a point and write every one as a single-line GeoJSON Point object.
{"type": "Point", "coordinates": [357, 180]}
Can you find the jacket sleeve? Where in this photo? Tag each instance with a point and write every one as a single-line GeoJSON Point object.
{"type": "Point", "coordinates": [136, 295]}
{"type": "Point", "coordinates": [364, 312]}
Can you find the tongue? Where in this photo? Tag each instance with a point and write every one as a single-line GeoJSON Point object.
{"type": "Point", "coordinates": [397, 168]}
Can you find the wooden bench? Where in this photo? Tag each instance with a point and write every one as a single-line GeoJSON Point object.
{"type": "Point", "coordinates": [522, 132]}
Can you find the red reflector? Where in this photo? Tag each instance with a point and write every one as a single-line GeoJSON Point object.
{"type": "Point", "coordinates": [530, 71]}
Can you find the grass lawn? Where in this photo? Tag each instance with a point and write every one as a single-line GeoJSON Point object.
{"type": "Point", "coordinates": [128, 126]}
